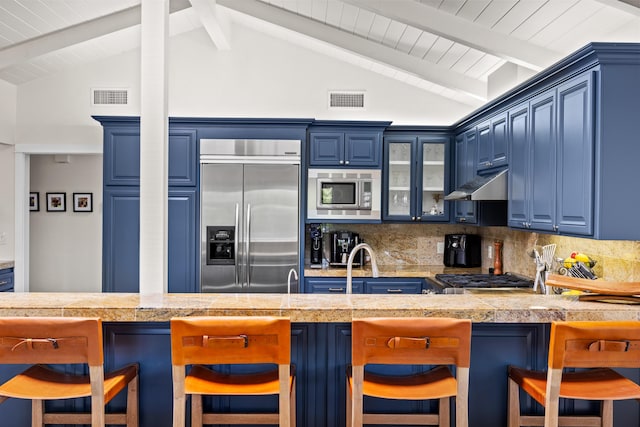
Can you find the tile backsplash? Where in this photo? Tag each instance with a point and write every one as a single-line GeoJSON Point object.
{"type": "Point", "coordinates": [413, 244]}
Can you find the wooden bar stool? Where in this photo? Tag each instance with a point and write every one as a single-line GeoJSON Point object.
{"type": "Point", "coordinates": [202, 341]}
{"type": "Point", "coordinates": [410, 341]}
{"type": "Point", "coordinates": [595, 345]}
{"type": "Point", "coordinates": [60, 340]}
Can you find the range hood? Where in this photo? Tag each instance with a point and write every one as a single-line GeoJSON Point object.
{"type": "Point", "coordinates": [482, 187]}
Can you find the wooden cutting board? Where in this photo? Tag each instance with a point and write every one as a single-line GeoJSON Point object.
{"type": "Point", "coordinates": [623, 291]}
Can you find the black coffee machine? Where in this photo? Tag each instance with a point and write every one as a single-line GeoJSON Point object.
{"type": "Point", "coordinates": [342, 242]}
{"type": "Point", "coordinates": [462, 250]}
{"type": "Point", "coordinates": [315, 232]}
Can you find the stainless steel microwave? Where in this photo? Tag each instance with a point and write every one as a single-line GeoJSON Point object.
{"type": "Point", "coordinates": [344, 194]}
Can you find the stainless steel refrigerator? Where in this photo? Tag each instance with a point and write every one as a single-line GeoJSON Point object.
{"type": "Point", "coordinates": [249, 214]}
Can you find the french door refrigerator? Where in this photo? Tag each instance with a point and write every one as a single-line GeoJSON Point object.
{"type": "Point", "coordinates": [249, 201]}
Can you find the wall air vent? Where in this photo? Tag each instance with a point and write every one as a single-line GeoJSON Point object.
{"type": "Point", "coordinates": [109, 96]}
{"type": "Point", "coordinates": [346, 100]}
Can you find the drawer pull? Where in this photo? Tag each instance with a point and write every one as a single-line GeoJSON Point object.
{"type": "Point", "coordinates": [394, 291]}
{"type": "Point", "coordinates": [4, 282]}
{"type": "Point", "coordinates": [336, 289]}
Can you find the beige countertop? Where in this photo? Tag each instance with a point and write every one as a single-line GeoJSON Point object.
{"type": "Point", "coordinates": [5, 264]}
{"type": "Point", "coordinates": [480, 306]}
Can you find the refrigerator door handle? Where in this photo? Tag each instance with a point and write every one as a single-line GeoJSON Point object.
{"type": "Point", "coordinates": [247, 245]}
{"type": "Point", "coordinates": [235, 246]}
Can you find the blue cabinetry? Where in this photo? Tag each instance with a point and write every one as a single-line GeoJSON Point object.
{"type": "Point", "coordinates": [6, 280]}
{"type": "Point", "coordinates": [552, 160]}
{"type": "Point", "coordinates": [346, 144]}
{"type": "Point", "coordinates": [121, 240]}
{"type": "Point", "coordinates": [492, 143]}
{"type": "Point", "coordinates": [357, 149]}
{"type": "Point", "coordinates": [121, 198]}
{"type": "Point", "coordinates": [416, 176]}
{"type": "Point", "coordinates": [366, 285]}
{"type": "Point", "coordinates": [465, 171]}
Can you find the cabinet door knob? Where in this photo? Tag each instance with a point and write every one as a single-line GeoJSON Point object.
{"type": "Point", "coordinates": [413, 218]}
{"type": "Point", "coordinates": [463, 219]}
{"type": "Point", "coordinates": [555, 228]}
{"type": "Point", "coordinates": [347, 162]}
{"type": "Point", "coordinates": [419, 218]}
{"type": "Point", "coordinates": [341, 162]}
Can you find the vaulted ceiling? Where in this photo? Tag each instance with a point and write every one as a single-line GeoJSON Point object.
{"type": "Point", "coordinates": [449, 47]}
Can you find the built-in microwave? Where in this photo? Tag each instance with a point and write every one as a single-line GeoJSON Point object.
{"type": "Point", "coordinates": [344, 194]}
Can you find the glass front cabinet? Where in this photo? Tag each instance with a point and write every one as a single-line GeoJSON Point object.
{"type": "Point", "coordinates": [416, 177]}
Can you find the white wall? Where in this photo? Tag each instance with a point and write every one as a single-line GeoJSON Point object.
{"type": "Point", "coordinates": [66, 247]}
{"type": "Point", "coordinates": [8, 96]}
{"type": "Point", "coordinates": [260, 76]}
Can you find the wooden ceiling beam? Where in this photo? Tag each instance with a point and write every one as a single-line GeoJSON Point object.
{"type": "Point", "coordinates": [206, 11]}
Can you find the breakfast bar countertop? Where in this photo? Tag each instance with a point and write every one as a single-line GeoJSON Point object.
{"type": "Point", "coordinates": [4, 264]}
{"type": "Point", "coordinates": [481, 306]}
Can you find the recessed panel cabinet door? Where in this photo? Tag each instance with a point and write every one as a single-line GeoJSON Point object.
{"type": "Point", "coordinates": [519, 166]}
{"type": "Point", "coordinates": [543, 172]}
{"type": "Point", "coordinates": [575, 157]}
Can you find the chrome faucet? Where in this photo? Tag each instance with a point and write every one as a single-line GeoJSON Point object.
{"type": "Point", "coordinates": [295, 276]}
{"type": "Point", "coordinates": [352, 255]}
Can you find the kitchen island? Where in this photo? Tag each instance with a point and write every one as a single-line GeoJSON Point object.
{"type": "Point", "coordinates": [510, 327]}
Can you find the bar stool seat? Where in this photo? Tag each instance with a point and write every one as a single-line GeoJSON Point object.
{"type": "Point", "coordinates": [596, 346]}
{"type": "Point", "coordinates": [64, 341]}
{"type": "Point", "coordinates": [200, 341]}
{"type": "Point", "coordinates": [410, 341]}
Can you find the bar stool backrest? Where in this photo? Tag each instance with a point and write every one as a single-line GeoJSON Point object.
{"type": "Point", "coordinates": [51, 340]}
{"type": "Point", "coordinates": [398, 341]}
{"type": "Point", "coordinates": [606, 344]}
{"type": "Point", "coordinates": [230, 340]}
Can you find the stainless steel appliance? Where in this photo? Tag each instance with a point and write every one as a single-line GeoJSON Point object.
{"type": "Point", "coordinates": [344, 194]}
{"type": "Point", "coordinates": [249, 214]}
{"type": "Point", "coordinates": [342, 243]}
{"type": "Point", "coordinates": [450, 283]}
{"type": "Point", "coordinates": [462, 250]}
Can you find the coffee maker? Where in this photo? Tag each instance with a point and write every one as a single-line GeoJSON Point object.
{"type": "Point", "coordinates": [315, 232]}
{"type": "Point", "coordinates": [342, 243]}
{"type": "Point", "coordinates": [462, 250]}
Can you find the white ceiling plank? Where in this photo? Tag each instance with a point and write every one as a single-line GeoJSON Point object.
{"type": "Point", "coordinates": [319, 10]}
{"type": "Point", "coordinates": [494, 12]}
{"type": "Point", "coordinates": [462, 31]}
{"type": "Point", "coordinates": [305, 7]}
{"type": "Point", "coordinates": [393, 34]}
{"type": "Point", "coordinates": [553, 33]}
{"type": "Point", "coordinates": [518, 14]}
{"type": "Point", "coordinates": [334, 13]}
{"type": "Point", "coordinates": [423, 44]}
{"type": "Point", "coordinates": [452, 6]}
{"type": "Point", "coordinates": [472, 9]}
{"type": "Point", "coordinates": [378, 28]}
{"type": "Point", "coordinates": [27, 17]}
{"type": "Point", "coordinates": [359, 46]}
{"type": "Point", "coordinates": [408, 40]}
{"type": "Point", "coordinates": [364, 22]}
{"type": "Point", "coordinates": [542, 17]}
{"type": "Point", "coordinates": [349, 18]}
{"type": "Point", "coordinates": [206, 10]}
{"type": "Point", "coordinates": [630, 6]}
{"type": "Point", "coordinates": [74, 34]}
{"type": "Point", "coordinates": [438, 50]}
{"type": "Point", "coordinates": [453, 55]}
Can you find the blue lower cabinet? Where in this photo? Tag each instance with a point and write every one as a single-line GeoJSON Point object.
{"type": "Point", "coordinates": [6, 280]}
{"type": "Point", "coordinates": [323, 285]}
{"type": "Point", "coordinates": [387, 285]}
{"type": "Point", "coordinates": [121, 239]}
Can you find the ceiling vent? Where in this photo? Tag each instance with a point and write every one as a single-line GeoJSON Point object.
{"type": "Point", "coordinates": [346, 100]}
{"type": "Point", "coordinates": [109, 96]}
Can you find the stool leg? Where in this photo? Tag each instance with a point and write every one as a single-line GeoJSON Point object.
{"type": "Point", "coordinates": [37, 413]}
{"type": "Point", "coordinates": [357, 399]}
{"type": "Point", "coordinates": [607, 413]}
{"type": "Point", "coordinates": [513, 406]}
{"type": "Point", "coordinates": [444, 412]}
{"type": "Point", "coordinates": [132, 403]}
{"type": "Point", "coordinates": [179, 399]}
{"type": "Point", "coordinates": [292, 403]}
{"type": "Point", "coordinates": [196, 410]}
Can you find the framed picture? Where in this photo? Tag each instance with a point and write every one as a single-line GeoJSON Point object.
{"type": "Point", "coordinates": [82, 202]}
{"type": "Point", "coordinates": [56, 202]}
{"type": "Point", "coordinates": [34, 201]}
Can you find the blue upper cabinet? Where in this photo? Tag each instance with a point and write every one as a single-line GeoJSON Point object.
{"type": "Point", "coordinates": [416, 176]}
{"type": "Point", "coordinates": [492, 143]}
{"type": "Point", "coordinates": [552, 160]}
{"type": "Point", "coordinates": [346, 144]}
{"type": "Point", "coordinates": [465, 170]}
{"type": "Point", "coordinates": [122, 156]}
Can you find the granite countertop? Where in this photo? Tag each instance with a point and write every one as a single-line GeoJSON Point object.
{"type": "Point", "coordinates": [388, 271]}
{"type": "Point", "coordinates": [482, 306]}
{"type": "Point", "coordinates": [4, 264]}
